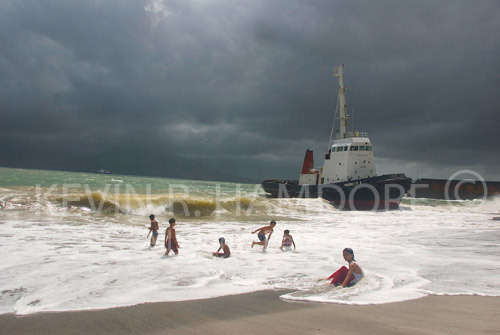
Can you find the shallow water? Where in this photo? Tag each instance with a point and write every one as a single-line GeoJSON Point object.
{"type": "Point", "coordinates": [60, 252]}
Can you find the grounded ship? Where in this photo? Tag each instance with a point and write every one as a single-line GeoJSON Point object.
{"type": "Point", "coordinates": [348, 178]}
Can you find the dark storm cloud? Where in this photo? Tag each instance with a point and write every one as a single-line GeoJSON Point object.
{"type": "Point", "coordinates": [250, 83]}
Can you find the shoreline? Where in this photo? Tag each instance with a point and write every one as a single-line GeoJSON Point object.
{"type": "Point", "coordinates": [265, 312]}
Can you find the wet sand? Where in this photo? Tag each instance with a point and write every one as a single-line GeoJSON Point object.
{"type": "Point", "coordinates": [265, 313]}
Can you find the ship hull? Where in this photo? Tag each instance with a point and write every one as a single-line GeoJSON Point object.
{"type": "Point", "coordinates": [376, 193]}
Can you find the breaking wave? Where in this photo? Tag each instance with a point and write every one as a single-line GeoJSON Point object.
{"type": "Point", "coordinates": [137, 204]}
{"type": "Point", "coordinates": [198, 205]}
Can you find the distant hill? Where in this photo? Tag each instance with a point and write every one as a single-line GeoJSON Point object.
{"type": "Point", "coordinates": [124, 160]}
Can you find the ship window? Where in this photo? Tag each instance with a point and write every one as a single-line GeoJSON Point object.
{"type": "Point", "coordinates": [345, 148]}
{"type": "Point", "coordinates": [362, 148]}
{"type": "Point", "coordinates": [334, 149]}
{"type": "Point", "coordinates": [340, 149]}
{"type": "Point", "coordinates": [368, 148]}
{"type": "Point", "coordinates": [354, 148]}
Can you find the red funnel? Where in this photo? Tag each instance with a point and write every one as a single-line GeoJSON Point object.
{"type": "Point", "coordinates": [308, 162]}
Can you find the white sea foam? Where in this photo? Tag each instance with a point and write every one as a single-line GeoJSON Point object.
{"type": "Point", "coordinates": [61, 258]}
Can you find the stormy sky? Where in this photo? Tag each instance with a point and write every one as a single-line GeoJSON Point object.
{"type": "Point", "coordinates": [247, 86]}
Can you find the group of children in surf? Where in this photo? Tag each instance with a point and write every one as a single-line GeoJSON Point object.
{"type": "Point", "coordinates": [344, 276]}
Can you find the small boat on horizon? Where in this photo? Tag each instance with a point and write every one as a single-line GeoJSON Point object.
{"type": "Point", "coordinates": [348, 178]}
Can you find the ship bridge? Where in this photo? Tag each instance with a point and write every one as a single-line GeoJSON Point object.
{"type": "Point", "coordinates": [347, 159]}
{"type": "Point", "coordinates": [350, 141]}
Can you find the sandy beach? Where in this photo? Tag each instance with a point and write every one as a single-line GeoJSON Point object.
{"type": "Point", "coordinates": [264, 312]}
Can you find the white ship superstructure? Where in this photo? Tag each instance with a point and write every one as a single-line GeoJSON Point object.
{"type": "Point", "coordinates": [348, 159]}
{"type": "Point", "coordinates": [350, 155]}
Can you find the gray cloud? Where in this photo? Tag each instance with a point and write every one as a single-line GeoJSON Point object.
{"type": "Point", "coordinates": [249, 83]}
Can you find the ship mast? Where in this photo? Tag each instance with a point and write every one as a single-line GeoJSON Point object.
{"type": "Point", "coordinates": [343, 118]}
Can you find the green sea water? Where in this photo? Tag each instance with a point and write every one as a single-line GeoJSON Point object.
{"type": "Point", "coordinates": [121, 194]}
{"type": "Point", "coordinates": [10, 177]}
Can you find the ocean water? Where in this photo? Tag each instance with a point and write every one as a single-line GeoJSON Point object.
{"type": "Point", "coordinates": [75, 241]}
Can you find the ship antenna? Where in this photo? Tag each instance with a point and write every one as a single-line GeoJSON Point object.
{"type": "Point", "coordinates": [337, 72]}
{"type": "Point", "coordinates": [352, 120]}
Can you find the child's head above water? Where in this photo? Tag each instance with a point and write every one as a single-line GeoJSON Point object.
{"type": "Point", "coordinates": [222, 240]}
{"type": "Point", "coordinates": [171, 221]}
{"type": "Point", "coordinates": [273, 223]}
{"type": "Point", "coordinates": [348, 253]}
{"type": "Point", "coordinates": [287, 232]}
{"type": "Point", "coordinates": [152, 217]}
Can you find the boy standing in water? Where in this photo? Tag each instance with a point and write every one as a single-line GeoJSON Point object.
{"type": "Point", "coordinates": [287, 240]}
{"type": "Point", "coordinates": [170, 239]}
{"type": "Point", "coordinates": [154, 228]}
{"type": "Point", "coordinates": [262, 234]}
{"type": "Point", "coordinates": [225, 248]}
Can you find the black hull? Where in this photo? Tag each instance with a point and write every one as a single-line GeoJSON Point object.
{"type": "Point", "coordinates": [376, 193]}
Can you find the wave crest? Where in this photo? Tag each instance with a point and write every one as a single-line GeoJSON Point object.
{"type": "Point", "coordinates": [159, 204]}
